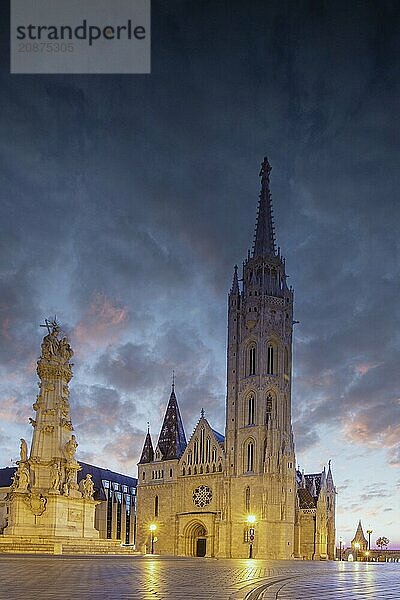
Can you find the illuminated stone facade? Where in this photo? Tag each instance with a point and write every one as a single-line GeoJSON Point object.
{"type": "Point", "coordinates": [199, 495]}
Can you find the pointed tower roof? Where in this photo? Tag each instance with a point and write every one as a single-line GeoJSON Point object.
{"type": "Point", "coordinates": [359, 536]}
{"type": "Point", "coordinates": [172, 439]}
{"type": "Point", "coordinates": [147, 452]}
{"type": "Point", "coordinates": [235, 282]}
{"type": "Point", "coordinates": [329, 477]}
{"type": "Point", "coordinates": [264, 239]}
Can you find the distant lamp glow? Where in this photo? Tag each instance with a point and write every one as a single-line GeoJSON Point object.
{"type": "Point", "coordinates": [153, 528]}
{"type": "Point", "coordinates": [357, 547]}
{"type": "Point", "coordinates": [251, 519]}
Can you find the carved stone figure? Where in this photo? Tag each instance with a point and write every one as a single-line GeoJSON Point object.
{"type": "Point", "coordinates": [70, 448]}
{"type": "Point", "coordinates": [55, 476]}
{"type": "Point", "coordinates": [65, 350]}
{"type": "Point", "coordinates": [87, 487]}
{"type": "Point", "coordinates": [23, 478]}
{"type": "Point", "coordinates": [50, 343]}
{"type": "Point", "coordinates": [23, 450]}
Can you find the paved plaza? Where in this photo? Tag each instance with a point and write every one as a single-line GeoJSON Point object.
{"type": "Point", "coordinates": [163, 578]}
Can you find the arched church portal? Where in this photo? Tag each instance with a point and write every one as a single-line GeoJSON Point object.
{"type": "Point", "coordinates": [195, 539]}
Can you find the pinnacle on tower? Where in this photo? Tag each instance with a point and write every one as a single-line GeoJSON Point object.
{"type": "Point", "coordinates": [264, 239]}
{"type": "Point", "coordinates": [172, 439]}
{"type": "Point", "coordinates": [235, 282]}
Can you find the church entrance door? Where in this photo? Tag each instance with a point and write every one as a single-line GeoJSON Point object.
{"type": "Point", "coordinates": [201, 546]}
{"type": "Point", "coordinates": [195, 539]}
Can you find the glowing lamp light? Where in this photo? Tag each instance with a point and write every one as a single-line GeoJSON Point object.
{"type": "Point", "coordinates": [251, 519]}
{"type": "Point", "coordinates": [153, 527]}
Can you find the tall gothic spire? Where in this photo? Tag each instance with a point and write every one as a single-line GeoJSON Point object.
{"type": "Point", "coordinates": [172, 440]}
{"type": "Point", "coordinates": [264, 239]}
{"type": "Point", "coordinates": [147, 452]}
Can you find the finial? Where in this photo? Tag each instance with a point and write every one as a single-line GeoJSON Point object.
{"type": "Point", "coordinates": [173, 381]}
{"type": "Point", "coordinates": [148, 427]}
{"type": "Point", "coordinates": [265, 168]}
{"type": "Point", "coordinates": [202, 413]}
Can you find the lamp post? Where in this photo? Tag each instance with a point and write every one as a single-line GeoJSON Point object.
{"type": "Point", "coordinates": [251, 520]}
{"type": "Point", "coordinates": [153, 528]}
{"type": "Point", "coordinates": [369, 531]}
{"type": "Point", "coordinates": [340, 547]}
{"type": "Point", "coordinates": [357, 547]}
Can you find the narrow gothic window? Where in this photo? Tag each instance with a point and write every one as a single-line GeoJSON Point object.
{"type": "Point", "coordinates": [214, 454]}
{"type": "Point", "coordinates": [286, 362]}
{"type": "Point", "coordinates": [270, 359]}
{"type": "Point", "coordinates": [156, 506]}
{"type": "Point", "coordinates": [247, 499]}
{"type": "Point", "coordinates": [196, 452]}
{"type": "Point", "coordinates": [268, 409]}
{"type": "Point", "coordinates": [250, 456]}
{"type": "Point", "coordinates": [208, 450]}
{"type": "Point", "coordinates": [202, 445]}
{"type": "Point", "coordinates": [252, 361]}
{"type": "Point", "coordinates": [250, 409]}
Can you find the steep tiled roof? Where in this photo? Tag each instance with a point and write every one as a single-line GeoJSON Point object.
{"type": "Point", "coordinates": [147, 452]}
{"type": "Point", "coordinates": [172, 439]}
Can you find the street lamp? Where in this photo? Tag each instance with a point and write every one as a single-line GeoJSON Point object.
{"type": "Point", "coordinates": [340, 547]}
{"type": "Point", "coordinates": [357, 547]}
{"type": "Point", "coordinates": [153, 528]}
{"type": "Point", "coordinates": [369, 531]}
{"type": "Point", "coordinates": [251, 519]}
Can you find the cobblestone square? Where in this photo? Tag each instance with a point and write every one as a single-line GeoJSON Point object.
{"type": "Point", "coordinates": [164, 578]}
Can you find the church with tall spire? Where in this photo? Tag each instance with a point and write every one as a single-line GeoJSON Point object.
{"type": "Point", "coordinates": [240, 494]}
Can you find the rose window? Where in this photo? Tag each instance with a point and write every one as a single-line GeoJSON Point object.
{"type": "Point", "coordinates": [202, 496]}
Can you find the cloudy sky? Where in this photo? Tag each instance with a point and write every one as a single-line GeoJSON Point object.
{"type": "Point", "coordinates": [126, 201]}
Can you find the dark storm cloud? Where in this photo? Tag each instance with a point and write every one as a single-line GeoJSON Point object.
{"type": "Point", "coordinates": [127, 200]}
{"type": "Point", "coordinates": [143, 370]}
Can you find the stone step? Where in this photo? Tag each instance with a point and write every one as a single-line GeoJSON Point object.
{"type": "Point", "coordinates": [18, 545]}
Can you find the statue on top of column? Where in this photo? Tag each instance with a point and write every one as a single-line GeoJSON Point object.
{"type": "Point", "coordinates": [52, 347]}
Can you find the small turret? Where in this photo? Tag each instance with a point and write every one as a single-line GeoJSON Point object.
{"type": "Point", "coordinates": [235, 282]}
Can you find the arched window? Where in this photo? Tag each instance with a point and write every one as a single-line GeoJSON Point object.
{"type": "Point", "coordinates": [249, 457]}
{"type": "Point", "coordinates": [251, 360]}
{"type": "Point", "coordinates": [286, 361]}
{"type": "Point", "coordinates": [251, 402]}
{"type": "Point", "coordinates": [247, 499]}
{"type": "Point", "coordinates": [270, 359]}
{"type": "Point", "coordinates": [189, 458]}
{"type": "Point", "coordinates": [196, 451]}
{"type": "Point", "coordinates": [156, 506]}
{"type": "Point", "coordinates": [214, 454]}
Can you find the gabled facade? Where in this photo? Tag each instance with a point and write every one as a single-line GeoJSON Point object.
{"type": "Point", "coordinates": [239, 495]}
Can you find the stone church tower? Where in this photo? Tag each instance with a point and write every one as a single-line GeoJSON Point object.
{"type": "Point", "coordinates": [259, 439]}
{"type": "Point", "coordinates": [238, 495]}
